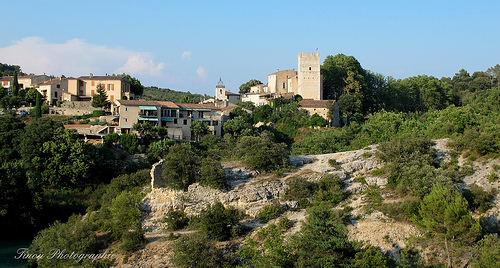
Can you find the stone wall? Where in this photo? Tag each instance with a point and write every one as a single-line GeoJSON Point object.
{"type": "Point", "coordinates": [156, 180]}
{"type": "Point", "coordinates": [74, 108]}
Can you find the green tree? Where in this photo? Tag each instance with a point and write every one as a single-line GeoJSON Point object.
{"type": "Point", "coordinates": [181, 166]}
{"type": "Point", "coordinates": [30, 96]}
{"type": "Point", "coordinates": [238, 126]}
{"type": "Point", "coordinates": [323, 240]}
{"type": "Point", "coordinates": [199, 129]}
{"type": "Point", "coordinates": [100, 98]}
{"type": "Point", "coordinates": [216, 221]}
{"type": "Point", "coordinates": [38, 107]}
{"type": "Point", "coordinates": [445, 212]}
{"type": "Point", "coordinates": [487, 252]}
{"type": "Point", "coordinates": [198, 251]}
{"type": "Point", "coordinates": [11, 130]}
{"type": "Point", "coordinates": [129, 141]}
{"type": "Point", "coordinates": [245, 87]}
{"type": "Point", "coordinates": [135, 85]}
{"type": "Point", "coordinates": [187, 99]}
{"type": "Point", "coordinates": [212, 174]}
{"type": "Point", "coordinates": [262, 153]}
{"type": "Point", "coordinates": [64, 161]}
{"type": "Point", "coordinates": [74, 236]}
{"type": "Point", "coordinates": [335, 73]}
{"type": "Point", "coordinates": [15, 86]}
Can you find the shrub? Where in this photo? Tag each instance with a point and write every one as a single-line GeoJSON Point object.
{"type": "Point", "coordinates": [212, 174]}
{"type": "Point", "coordinates": [176, 220]}
{"type": "Point", "coordinates": [284, 223]}
{"type": "Point", "coordinates": [378, 172]}
{"type": "Point", "coordinates": [111, 138]}
{"type": "Point", "coordinates": [74, 236]}
{"type": "Point", "coordinates": [180, 167]}
{"type": "Point", "coordinates": [97, 113]}
{"type": "Point", "coordinates": [262, 153]}
{"type": "Point", "coordinates": [477, 198]}
{"type": "Point", "coordinates": [467, 170]}
{"type": "Point", "coordinates": [198, 251]}
{"type": "Point", "coordinates": [129, 141]}
{"type": "Point", "coordinates": [299, 188]}
{"type": "Point", "coordinates": [216, 221]}
{"type": "Point", "coordinates": [493, 177]}
{"type": "Point", "coordinates": [333, 163]}
{"type": "Point", "coordinates": [269, 212]}
{"type": "Point", "coordinates": [330, 190]}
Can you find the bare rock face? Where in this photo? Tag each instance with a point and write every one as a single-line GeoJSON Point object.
{"type": "Point", "coordinates": [249, 191]}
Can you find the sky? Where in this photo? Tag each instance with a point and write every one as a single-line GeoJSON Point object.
{"type": "Point", "coordinates": [190, 45]}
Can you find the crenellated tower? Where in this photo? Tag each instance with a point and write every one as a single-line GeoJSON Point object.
{"type": "Point", "coordinates": [310, 85]}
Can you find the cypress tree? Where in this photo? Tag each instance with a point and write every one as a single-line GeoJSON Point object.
{"type": "Point", "coordinates": [38, 107]}
{"type": "Point", "coordinates": [15, 85]}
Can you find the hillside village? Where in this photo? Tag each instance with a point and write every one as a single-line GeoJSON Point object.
{"type": "Point", "coordinates": [72, 96]}
{"type": "Point", "coordinates": [409, 178]}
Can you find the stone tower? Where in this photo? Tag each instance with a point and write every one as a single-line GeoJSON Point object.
{"type": "Point", "coordinates": [310, 84]}
{"type": "Point", "coordinates": [220, 91]}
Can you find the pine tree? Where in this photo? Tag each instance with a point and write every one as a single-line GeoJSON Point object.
{"type": "Point", "coordinates": [100, 98]}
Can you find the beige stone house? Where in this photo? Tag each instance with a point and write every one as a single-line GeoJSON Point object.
{"type": "Point", "coordinates": [117, 87]}
{"type": "Point", "coordinates": [24, 81]}
{"type": "Point", "coordinates": [320, 107]}
{"type": "Point", "coordinates": [52, 90]}
{"type": "Point", "coordinates": [176, 117]}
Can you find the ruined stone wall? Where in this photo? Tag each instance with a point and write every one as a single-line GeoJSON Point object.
{"type": "Point", "coordinates": [156, 170]}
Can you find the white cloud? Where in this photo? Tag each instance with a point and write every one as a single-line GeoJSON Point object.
{"type": "Point", "coordinates": [137, 64]}
{"type": "Point", "coordinates": [76, 57]}
{"type": "Point", "coordinates": [202, 72]}
{"type": "Point", "coordinates": [186, 54]}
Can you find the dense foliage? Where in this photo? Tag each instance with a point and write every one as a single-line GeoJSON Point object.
{"type": "Point", "coordinates": [165, 94]}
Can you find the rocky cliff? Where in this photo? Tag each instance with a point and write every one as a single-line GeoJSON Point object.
{"type": "Point", "coordinates": [251, 191]}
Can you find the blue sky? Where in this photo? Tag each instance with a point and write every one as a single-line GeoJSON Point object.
{"type": "Point", "coordinates": [189, 45]}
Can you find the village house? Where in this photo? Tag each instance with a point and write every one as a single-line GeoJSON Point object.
{"type": "Point", "coordinates": [25, 81]}
{"type": "Point", "coordinates": [117, 87]}
{"type": "Point", "coordinates": [176, 117]}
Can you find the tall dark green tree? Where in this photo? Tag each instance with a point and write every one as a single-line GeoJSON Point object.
{"type": "Point", "coordinates": [15, 85]}
{"type": "Point", "coordinates": [100, 98]}
{"type": "Point", "coordinates": [135, 85]}
{"type": "Point", "coordinates": [38, 107]}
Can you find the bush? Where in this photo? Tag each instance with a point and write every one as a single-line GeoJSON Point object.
{"type": "Point", "coordinates": [269, 212]}
{"type": "Point", "coordinates": [212, 174]}
{"type": "Point", "coordinates": [493, 177]}
{"type": "Point", "coordinates": [299, 188]}
{"type": "Point", "coordinates": [129, 141]}
{"type": "Point", "coordinates": [176, 220]}
{"type": "Point", "coordinates": [181, 167]}
{"type": "Point", "coordinates": [198, 251]}
{"type": "Point", "coordinates": [97, 113]}
{"type": "Point", "coordinates": [477, 198]}
{"type": "Point", "coordinates": [111, 138]}
{"type": "Point", "coordinates": [217, 222]}
{"type": "Point", "coordinates": [330, 190]}
{"type": "Point", "coordinates": [74, 236]}
{"type": "Point", "coordinates": [262, 153]}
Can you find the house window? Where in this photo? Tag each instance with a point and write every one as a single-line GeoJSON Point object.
{"type": "Point", "coordinates": [125, 109]}
{"type": "Point", "coordinates": [310, 68]}
{"type": "Point", "coordinates": [125, 119]}
{"type": "Point", "coordinates": [93, 83]}
{"type": "Point", "coordinates": [185, 122]}
{"type": "Point", "coordinates": [284, 85]}
{"type": "Point", "coordinates": [175, 121]}
{"type": "Point", "coordinates": [173, 113]}
{"type": "Point", "coordinates": [55, 94]}
{"type": "Point", "coordinates": [81, 83]}
{"type": "Point", "coordinates": [110, 86]}
{"type": "Point", "coordinates": [58, 86]}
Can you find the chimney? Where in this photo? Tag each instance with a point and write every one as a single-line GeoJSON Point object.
{"type": "Point", "coordinates": [91, 75]}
